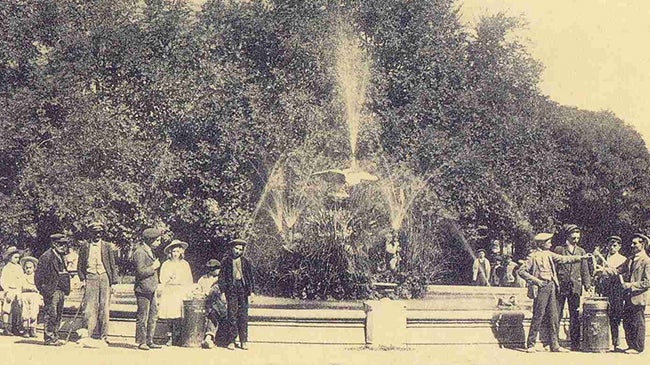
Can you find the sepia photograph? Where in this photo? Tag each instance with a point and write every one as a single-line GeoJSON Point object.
{"type": "Point", "coordinates": [324, 181]}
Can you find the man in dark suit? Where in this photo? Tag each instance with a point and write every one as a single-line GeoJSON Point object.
{"type": "Point", "coordinates": [146, 282]}
{"type": "Point", "coordinates": [635, 273]}
{"type": "Point", "coordinates": [236, 284]}
{"type": "Point", "coordinates": [97, 272]}
{"type": "Point", "coordinates": [572, 277]}
{"type": "Point", "coordinates": [53, 282]}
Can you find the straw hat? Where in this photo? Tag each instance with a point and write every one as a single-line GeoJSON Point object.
{"type": "Point", "coordinates": [175, 243]}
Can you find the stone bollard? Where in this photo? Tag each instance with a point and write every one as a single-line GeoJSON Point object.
{"type": "Point", "coordinates": [385, 324]}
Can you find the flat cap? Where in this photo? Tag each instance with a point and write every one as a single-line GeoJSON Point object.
{"type": "Point", "coordinates": [642, 236]}
{"type": "Point", "coordinates": [614, 238]}
{"type": "Point", "coordinates": [152, 233]}
{"type": "Point", "coordinates": [58, 237]}
{"type": "Point", "coordinates": [571, 228]}
{"type": "Point", "coordinates": [96, 226]}
{"type": "Point", "coordinates": [543, 237]}
{"type": "Point", "coordinates": [480, 250]}
{"type": "Point", "coordinates": [213, 263]}
{"type": "Point", "coordinates": [237, 242]}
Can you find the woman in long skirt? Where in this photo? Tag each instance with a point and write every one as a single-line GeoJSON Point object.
{"type": "Point", "coordinates": [176, 284]}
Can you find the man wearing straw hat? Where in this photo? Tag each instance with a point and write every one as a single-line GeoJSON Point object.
{"type": "Point", "coordinates": [635, 279]}
{"type": "Point", "coordinates": [11, 281]}
{"type": "Point", "coordinates": [53, 282]}
{"type": "Point", "coordinates": [236, 284]}
{"type": "Point", "coordinates": [541, 275]}
{"type": "Point", "coordinates": [146, 282]}
{"type": "Point", "coordinates": [98, 272]}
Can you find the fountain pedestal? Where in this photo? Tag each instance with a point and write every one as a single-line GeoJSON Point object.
{"type": "Point", "coordinates": [385, 324]}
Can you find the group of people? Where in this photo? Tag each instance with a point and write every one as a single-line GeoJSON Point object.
{"type": "Point", "coordinates": [19, 293]}
{"type": "Point", "coordinates": [498, 268]}
{"type": "Point", "coordinates": [160, 288]}
{"type": "Point", "coordinates": [558, 277]}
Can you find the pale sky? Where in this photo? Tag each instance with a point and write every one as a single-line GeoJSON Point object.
{"type": "Point", "coordinates": [595, 52]}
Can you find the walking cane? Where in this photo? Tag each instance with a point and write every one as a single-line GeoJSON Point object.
{"type": "Point", "coordinates": [74, 319]}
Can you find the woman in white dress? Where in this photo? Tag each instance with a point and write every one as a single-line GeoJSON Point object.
{"type": "Point", "coordinates": [176, 284]}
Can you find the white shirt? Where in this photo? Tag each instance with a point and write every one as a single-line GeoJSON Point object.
{"type": "Point", "coordinates": [12, 277]}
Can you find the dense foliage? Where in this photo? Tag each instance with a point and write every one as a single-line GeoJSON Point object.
{"type": "Point", "coordinates": [153, 112]}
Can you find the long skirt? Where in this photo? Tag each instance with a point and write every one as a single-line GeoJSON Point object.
{"type": "Point", "coordinates": [170, 305]}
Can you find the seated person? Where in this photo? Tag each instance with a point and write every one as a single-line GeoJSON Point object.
{"type": "Point", "coordinates": [11, 281]}
{"type": "Point", "coordinates": [31, 299]}
{"type": "Point", "coordinates": [215, 308]}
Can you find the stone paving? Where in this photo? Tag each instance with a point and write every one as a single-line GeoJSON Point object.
{"type": "Point", "coordinates": [15, 350]}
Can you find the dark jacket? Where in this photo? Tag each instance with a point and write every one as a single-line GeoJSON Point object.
{"type": "Point", "coordinates": [637, 274]}
{"type": "Point", "coordinates": [108, 259]}
{"type": "Point", "coordinates": [214, 305]}
{"type": "Point", "coordinates": [573, 276]}
{"type": "Point", "coordinates": [51, 275]}
{"type": "Point", "coordinates": [146, 278]}
{"type": "Point", "coordinates": [226, 279]}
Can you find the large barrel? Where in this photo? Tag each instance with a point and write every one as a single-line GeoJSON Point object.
{"type": "Point", "coordinates": [595, 325]}
{"type": "Point", "coordinates": [193, 323]}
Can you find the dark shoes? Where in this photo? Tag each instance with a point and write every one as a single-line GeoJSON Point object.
{"type": "Point", "coordinates": [559, 349]}
{"type": "Point", "coordinates": [54, 343]}
{"type": "Point", "coordinates": [631, 351]}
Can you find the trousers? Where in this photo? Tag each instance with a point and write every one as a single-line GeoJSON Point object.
{"type": "Point", "coordinates": [98, 300]}
{"type": "Point", "coordinates": [237, 303]}
{"type": "Point", "coordinates": [545, 311]}
{"type": "Point", "coordinates": [53, 311]}
{"type": "Point", "coordinates": [146, 318]}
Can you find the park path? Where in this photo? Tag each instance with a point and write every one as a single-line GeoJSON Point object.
{"type": "Point", "coordinates": [16, 350]}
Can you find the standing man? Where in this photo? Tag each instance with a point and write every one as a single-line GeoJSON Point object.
{"type": "Point", "coordinates": [635, 273]}
{"type": "Point", "coordinates": [540, 273]}
{"type": "Point", "coordinates": [146, 281]}
{"type": "Point", "coordinates": [97, 272]}
{"type": "Point", "coordinates": [53, 282]}
{"type": "Point", "coordinates": [236, 284]}
{"type": "Point", "coordinates": [573, 277]}
{"type": "Point", "coordinates": [610, 286]}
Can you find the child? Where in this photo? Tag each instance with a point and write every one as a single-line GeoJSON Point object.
{"type": "Point", "coordinates": [215, 308]}
{"type": "Point", "coordinates": [176, 284]}
{"type": "Point", "coordinates": [32, 300]}
{"type": "Point", "coordinates": [11, 281]}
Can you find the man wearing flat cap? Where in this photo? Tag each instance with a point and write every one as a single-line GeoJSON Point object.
{"type": "Point", "coordinates": [236, 284]}
{"type": "Point", "coordinates": [539, 271]}
{"type": "Point", "coordinates": [610, 286]}
{"type": "Point", "coordinates": [98, 272]}
{"type": "Point", "coordinates": [52, 280]}
{"type": "Point", "coordinates": [573, 277]}
{"type": "Point", "coordinates": [635, 275]}
{"type": "Point", "coordinates": [215, 309]}
{"type": "Point", "coordinates": [146, 282]}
